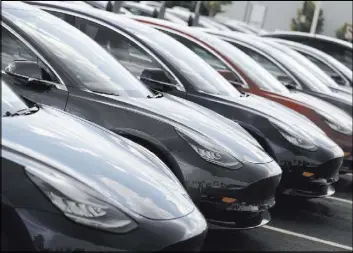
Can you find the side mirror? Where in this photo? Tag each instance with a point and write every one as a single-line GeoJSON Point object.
{"type": "Point", "coordinates": [288, 82]}
{"type": "Point", "coordinates": [156, 79]}
{"type": "Point", "coordinates": [233, 79]}
{"type": "Point", "coordinates": [31, 72]}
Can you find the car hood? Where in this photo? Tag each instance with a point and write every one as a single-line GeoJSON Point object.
{"type": "Point", "coordinates": [185, 114]}
{"type": "Point", "coordinates": [275, 112]}
{"type": "Point", "coordinates": [323, 108]}
{"type": "Point", "coordinates": [100, 159]}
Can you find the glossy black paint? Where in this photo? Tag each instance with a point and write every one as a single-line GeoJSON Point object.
{"type": "Point", "coordinates": [139, 109]}
{"type": "Point", "coordinates": [251, 111]}
{"type": "Point", "coordinates": [145, 191]}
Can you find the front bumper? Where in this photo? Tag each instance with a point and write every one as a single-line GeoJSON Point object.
{"type": "Point", "coordinates": [245, 208]}
{"type": "Point", "coordinates": [53, 232]}
{"type": "Point", "coordinates": [312, 182]}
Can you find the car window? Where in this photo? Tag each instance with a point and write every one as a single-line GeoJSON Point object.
{"type": "Point", "coordinates": [13, 49]}
{"type": "Point", "coordinates": [128, 54]}
{"type": "Point", "coordinates": [83, 59]}
{"type": "Point", "coordinates": [339, 53]}
{"type": "Point", "coordinates": [204, 54]}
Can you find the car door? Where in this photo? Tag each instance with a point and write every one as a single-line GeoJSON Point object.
{"type": "Point", "coordinates": [14, 47]}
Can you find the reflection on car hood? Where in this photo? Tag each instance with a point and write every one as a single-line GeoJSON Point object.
{"type": "Point", "coordinates": [101, 159]}
{"type": "Point", "coordinates": [185, 114]}
{"type": "Point", "coordinates": [274, 110]}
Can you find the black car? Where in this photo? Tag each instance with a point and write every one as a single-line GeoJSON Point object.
{"type": "Point", "coordinates": [337, 48]}
{"type": "Point", "coordinates": [165, 64]}
{"type": "Point", "coordinates": [338, 71]}
{"type": "Point", "coordinates": [65, 186]}
{"type": "Point", "coordinates": [287, 70]}
{"type": "Point", "coordinates": [220, 164]}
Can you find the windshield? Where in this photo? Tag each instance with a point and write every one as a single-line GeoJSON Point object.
{"type": "Point", "coordinates": [309, 65]}
{"type": "Point", "coordinates": [10, 101]}
{"type": "Point", "coordinates": [250, 67]}
{"type": "Point", "coordinates": [86, 60]}
{"type": "Point", "coordinates": [198, 72]}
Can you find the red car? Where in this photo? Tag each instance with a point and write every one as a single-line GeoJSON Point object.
{"type": "Point", "coordinates": [248, 76]}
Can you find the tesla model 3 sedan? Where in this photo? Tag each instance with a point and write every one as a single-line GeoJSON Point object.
{"type": "Point", "coordinates": [339, 49]}
{"type": "Point", "coordinates": [290, 72]}
{"type": "Point", "coordinates": [221, 165]}
{"type": "Point", "coordinates": [250, 76]}
{"type": "Point", "coordinates": [65, 186]}
{"type": "Point", "coordinates": [338, 71]}
{"type": "Point", "coordinates": [311, 67]}
{"type": "Point", "coordinates": [161, 61]}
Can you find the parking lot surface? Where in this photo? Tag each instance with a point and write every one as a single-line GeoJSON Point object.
{"type": "Point", "coordinates": [297, 225]}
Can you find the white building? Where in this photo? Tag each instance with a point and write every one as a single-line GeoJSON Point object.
{"type": "Point", "coordinates": [278, 14]}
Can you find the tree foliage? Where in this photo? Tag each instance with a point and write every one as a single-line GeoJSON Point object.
{"type": "Point", "coordinates": [341, 32]}
{"type": "Point", "coordinates": [302, 22]}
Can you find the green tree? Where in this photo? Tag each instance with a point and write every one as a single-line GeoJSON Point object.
{"type": "Point", "coordinates": [340, 32]}
{"type": "Point", "coordinates": [302, 22]}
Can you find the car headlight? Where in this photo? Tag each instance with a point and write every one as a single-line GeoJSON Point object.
{"type": "Point", "coordinates": [300, 139]}
{"type": "Point", "coordinates": [339, 128]}
{"type": "Point", "coordinates": [209, 150]}
{"type": "Point", "coordinates": [79, 202]}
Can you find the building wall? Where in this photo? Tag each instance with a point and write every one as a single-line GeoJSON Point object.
{"type": "Point", "coordinates": [280, 13]}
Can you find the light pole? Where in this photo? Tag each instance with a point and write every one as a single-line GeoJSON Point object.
{"type": "Point", "coordinates": [162, 10]}
{"type": "Point", "coordinates": [197, 13]}
{"type": "Point", "coordinates": [315, 17]}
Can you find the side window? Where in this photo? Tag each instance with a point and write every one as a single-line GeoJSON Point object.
{"type": "Point", "coordinates": [13, 49]}
{"type": "Point", "coordinates": [266, 64]}
{"type": "Point", "coordinates": [212, 60]}
{"type": "Point", "coordinates": [204, 54]}
{"type": "Point", "coordinates": [126, 52]}
{"type": "Point", "coordinates": [327, 69]}
{"type": "Point", "coordinates": [324, 67]}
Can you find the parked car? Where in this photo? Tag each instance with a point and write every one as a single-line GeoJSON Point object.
{"type": "Point", "coordinates": [338, 71]}
{"type": "Point", "coordinates": [166, 65]}
{"type": "Point", "coordinates": [220, 164]}
{"type": "Point", "coordinates": [339, 49]}
{"type": "Point", "coordinates": [291, 73]}
{"type": "Point", "coordinates": [65, 186]}
{"type": "Point", "coordinates": [239, 26]}
{"type": "Point", "coordinates": [248, 76]}
{"type": "Point", "coordinates": [149, 11]}
{"type": "Point", "coordinates": [312, 68]}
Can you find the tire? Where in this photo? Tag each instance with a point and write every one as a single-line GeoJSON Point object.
{"type": "Point", "coordinates": [156, 147]}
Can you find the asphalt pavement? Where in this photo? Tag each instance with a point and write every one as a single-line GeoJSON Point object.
{"type": "Point", "coordinates": [297, 224]}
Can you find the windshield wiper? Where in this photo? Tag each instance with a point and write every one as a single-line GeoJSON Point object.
{"type": "Point", "coordinates": [158, 95]}
{"type": "Point", "coordinates": [26, 111]}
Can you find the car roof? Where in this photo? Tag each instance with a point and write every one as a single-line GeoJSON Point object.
{"type": "Point", "coordinates": [309, 35]}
